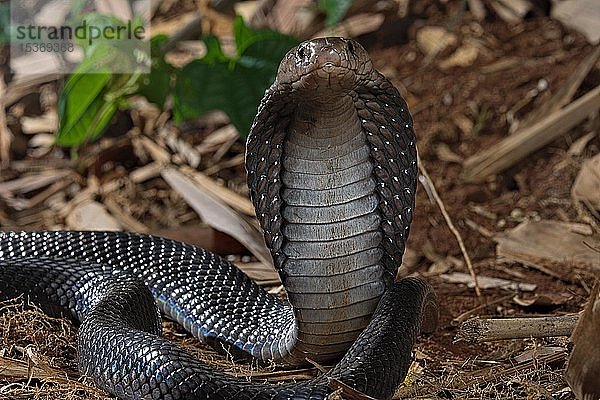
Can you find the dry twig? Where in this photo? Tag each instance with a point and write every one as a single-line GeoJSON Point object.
{"type": "Point", "coordinates": [5, 135]}
{"type": "Point", "coordinates": [448, 220]}
{"type": "Point", "coordinates": [488, 329]}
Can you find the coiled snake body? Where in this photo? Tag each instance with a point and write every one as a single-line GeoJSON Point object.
{"type": "Point", "coordinates": [331, 166]}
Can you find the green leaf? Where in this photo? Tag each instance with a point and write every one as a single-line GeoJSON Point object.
{"type": "Point", "coordinates": [88, 101]}
{"type": "Point", "coordinates": [156, 85]}
{"type": "Point", "coordinates": [214, 53]}
{"type": "Point", "coordinates": [334, 10]}
{"type": "Point", "coordinates": [267, 54]}
{"type": "Point", "coordinates": [233, 85]}
{"type": "Point", "coordinates": [83, 110]}
{"type": "Point", "coordinates": [246, 37]}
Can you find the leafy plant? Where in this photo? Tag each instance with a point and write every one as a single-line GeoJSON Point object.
{"type": "Point", "coordinates": [234, 85]}
{"type": "Point", "coordinates": [334, 10]}
{"type": "Point", "coordinates": [93, 93]}
{"type": "Point", "coordinates": [88, 101]}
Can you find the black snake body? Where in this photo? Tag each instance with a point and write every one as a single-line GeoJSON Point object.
{"type": "Point", "coordinates": [332, 173]}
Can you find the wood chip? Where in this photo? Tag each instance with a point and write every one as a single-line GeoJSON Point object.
{"type": "Point", "coordinates": [341, 391]}
{"type": "Point", "coordinates": [26, 370]}
{"type": "Point", "coordinates": [433, 39]}
{"type": "Point", "coordinates": [157, 153]}
{"type": "Point", "coordinates": [146, 172]}
{"type": "Point", "coordinates": [477, 9]}
{"type": "Point", "coordinates": [201, 235]}
{"type": "Point", "coordinates": [292, 17]}
{"type": "Point", "coordinates": [36, 64]}
{"type": "Point", "coordinates": [355, 25]}
{"type": "Point", "coordinates": [118, 8]}
{"type": "Point", "coordinates": [19, 87]}
{"type": "Point", "coordinates": [444, 153]}
{"type": "Point", "coordinates": [506, 13]}
{"type": "Point", "coordinates": [32, 182]}
{"type": "Point", "coordinates": [501, 65]}
{"type": "Point", "coordinates": [576, 149]}
{"type": "Point", "coordinates": [43, 124]}
{"type": "Point", "coordinates": [544, 300]}
{"type": "Point", "coordinates": [92, 216]}
{"type": "Point", "coordinates": [518, 7]}
{"type": "Point", "coordinates": [179, 146]}
{"type": "Point", "coordinates": [464, 56]}
{"type": "Point", "coordinates": [542, 351]}
{"type": "Point", "coordinates": [5, 133]}
{"type": "Point", "coordinates": [217, 138]}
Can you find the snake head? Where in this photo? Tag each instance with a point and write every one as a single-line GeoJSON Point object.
{"type": "Point", "coordinates": [324, 67]}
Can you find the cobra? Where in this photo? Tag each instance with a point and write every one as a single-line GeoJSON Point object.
{"type": "Point", "coordinates": [331, 163]}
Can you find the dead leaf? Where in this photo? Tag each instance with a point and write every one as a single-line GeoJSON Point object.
{"type": "Point", "coordinates": [551, 246]}
{"type": "Point", "coordinates": [91, 216]}
{"type": "Point", "coordinates": [260, 273]}
{"type": "Point", "coordinates": [217, 214]}
{"type": "Point", "coordinates": [581, 15]}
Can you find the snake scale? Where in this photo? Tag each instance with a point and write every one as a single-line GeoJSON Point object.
{"type": "Point", "coordinates": [331, 163]}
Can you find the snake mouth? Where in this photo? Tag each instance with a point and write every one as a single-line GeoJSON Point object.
{"type": "Point", "coordinates": [329, 67]}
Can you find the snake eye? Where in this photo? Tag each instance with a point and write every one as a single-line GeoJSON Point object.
{"type": "Point", "coordinates": [351, 47]}
{"type": "Point", "coordinates": [301, 52]}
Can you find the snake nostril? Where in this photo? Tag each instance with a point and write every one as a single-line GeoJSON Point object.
{"type": "Point", "coordinates": [301, 52]}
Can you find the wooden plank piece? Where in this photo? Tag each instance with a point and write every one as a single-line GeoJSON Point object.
{"type": "Point", "coordinates": [516, 147]}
